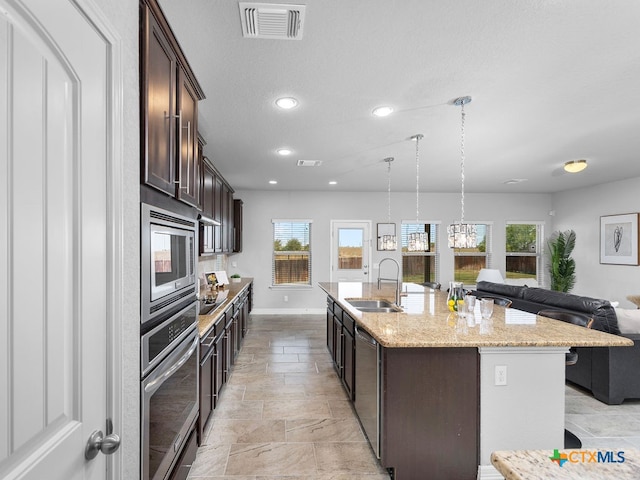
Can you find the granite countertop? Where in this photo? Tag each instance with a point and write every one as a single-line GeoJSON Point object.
{"type": "Point", "coordinates": [580, 464]}
{"type": "Point", "coordinates": [427, 322]}
{"type": "Point", "coordinates": [205, 322]}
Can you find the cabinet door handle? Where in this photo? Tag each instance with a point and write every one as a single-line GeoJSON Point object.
{"type": "Point", "coordinates": [179, 180]}
{"type": "Point", "coordinates": [189, 150]}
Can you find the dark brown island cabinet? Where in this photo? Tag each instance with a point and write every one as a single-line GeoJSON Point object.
{"type": "Point", "coordinates": [428, 416]}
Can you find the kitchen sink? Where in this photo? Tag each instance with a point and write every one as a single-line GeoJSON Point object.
{"type": "Point", "coordinates": [373, 305]}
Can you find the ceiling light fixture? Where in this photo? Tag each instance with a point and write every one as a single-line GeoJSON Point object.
{"type": "Point", "coordinates": [284, 152]}
{"type": "Point", "coordinates": [575, 166]}
{"type": "Point", "coordinates": [387, 239]}
{"type": "Point", "coordinates": [382, 111]}
{"type": "Point", "coordinates": [462, 235]}
{"type": "Point", "coordinates": [273, 182]}
{"type": "Point", "coordinates": [333, 182]}
{"type": "Point", "coordinates": [418, 241]}
{"type": "Point", "coordinates": [286, 103]}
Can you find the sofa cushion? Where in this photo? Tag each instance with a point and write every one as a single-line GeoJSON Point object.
{"type": "Point", "coordinates": [628, 320]}
{"type": "Point", "coordinates": [501, 289]}
{"type": "Point", "coordinates": [601, 310]}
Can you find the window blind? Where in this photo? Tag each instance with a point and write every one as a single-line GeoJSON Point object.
{"type": "Point", "coordinates": [291, 264]}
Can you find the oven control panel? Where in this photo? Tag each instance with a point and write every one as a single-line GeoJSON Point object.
{"type": "Point", "coordinates": [157, 343]}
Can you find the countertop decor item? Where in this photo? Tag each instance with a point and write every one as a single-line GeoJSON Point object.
{"type": "Point", "coordinates": [462, 235]}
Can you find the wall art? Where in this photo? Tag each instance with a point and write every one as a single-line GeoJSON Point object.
{"type": "Point", "coordinates": [619, 239]}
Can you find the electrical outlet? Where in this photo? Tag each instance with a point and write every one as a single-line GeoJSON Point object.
{"type": "Point", "coordinates": [500, 375]}
{"type": "Point", "coordinates": [286, 298]}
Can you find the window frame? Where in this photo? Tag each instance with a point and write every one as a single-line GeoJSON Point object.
{"type": "Point", "coordinates": [539, 248]}
{"type": "Point", "coordinates": [434, 238]}
{"type": "Point", "coordinates": [308, 253]}
{"type": "Point", "coordinates": [487, 254]}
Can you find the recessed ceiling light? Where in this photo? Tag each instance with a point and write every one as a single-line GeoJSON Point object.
{"type": "Point", "coordinates": [284, 151]}
{"type": "Point", "coordinates": [333, 182]}
{"type": "Point", "coordinates": [382, 111]}
{"type": "Point", "coordinates": [286, 103]}
{"type": "Point", "coordinates": [273, 182]}
{"type": "Point", "coordinates": [575, 166]}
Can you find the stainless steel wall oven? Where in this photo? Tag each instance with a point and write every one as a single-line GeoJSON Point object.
{"type": "Point", "coordinates": [170, 390]}
{"type": "Point", "coordinates": [169, 357]}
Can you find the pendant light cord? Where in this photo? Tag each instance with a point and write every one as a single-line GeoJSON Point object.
{"type": "Point", "coordinates": [389, 160]}
{"type": "Point", "coordinates": [418, 137]}
{"type": "Point", "coordinates": [462, 166]}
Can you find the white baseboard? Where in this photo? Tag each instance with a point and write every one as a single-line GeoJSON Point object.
{"type": "Point", "coordinates": [288, 311]}
{"type": "Point", "coordinates": [489, 472]}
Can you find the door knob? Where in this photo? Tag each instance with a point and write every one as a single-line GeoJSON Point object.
{"type": "Point", "coordinates": [99, 443]}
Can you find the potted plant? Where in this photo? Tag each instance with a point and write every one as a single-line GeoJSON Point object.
{"type": "Point", "coordinates": [562, 268]}
{"type": "Point", "coordinates": [235, 278]}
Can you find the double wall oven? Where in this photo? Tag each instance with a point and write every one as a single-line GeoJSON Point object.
{"type": "Point", "coordinates": [169, 340]}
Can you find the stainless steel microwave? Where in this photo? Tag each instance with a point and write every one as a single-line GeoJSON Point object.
{"type": "Point", "coordinates": [168, 261]}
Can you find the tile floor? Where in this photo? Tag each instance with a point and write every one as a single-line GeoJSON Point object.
{"type": "Point", "coordinates": [284, 415]}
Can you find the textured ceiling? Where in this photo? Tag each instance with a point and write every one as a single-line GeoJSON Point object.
{"type": "Point", "coordinates": [551, 81]}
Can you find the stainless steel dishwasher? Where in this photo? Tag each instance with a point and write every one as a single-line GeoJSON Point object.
{"type": "Point", "coordinates": [367, 391]}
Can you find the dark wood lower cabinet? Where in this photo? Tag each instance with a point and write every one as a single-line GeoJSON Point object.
{"type": "Point", "coordinates": [218, 368]}
{"type": "Point", "coordinates": [206, 392]}
{"type": "Point", "coordinates": [430, 412]}
{"type": "Point", "coordinates": [218, 348]}
{"type": "Point", "coordinates": [186, 459]}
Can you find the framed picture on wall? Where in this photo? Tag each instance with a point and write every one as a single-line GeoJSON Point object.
{"type": "Point", "coordinates": [619, 239]}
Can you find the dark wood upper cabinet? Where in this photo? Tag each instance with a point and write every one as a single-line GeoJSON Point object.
{"type": "Point", "coordinates": [238, 207]}
{"type": "Point", "coordinates": [188, 162]}
{"type": "Point", "coordinates": [169, 111]}
{"type": "Point", "coordinates": [159, 101]}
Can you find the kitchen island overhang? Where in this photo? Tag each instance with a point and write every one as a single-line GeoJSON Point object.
{"type": "Point", "coordinates": [525, 413]}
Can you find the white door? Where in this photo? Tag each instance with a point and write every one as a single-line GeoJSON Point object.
{"type": "Point", "coordinates": [56, 145]}
{"type": "Point", "coordinates": [350, 251]}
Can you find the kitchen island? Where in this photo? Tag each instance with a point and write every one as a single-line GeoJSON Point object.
{"type": "Point", "coordinates": [449, 394]}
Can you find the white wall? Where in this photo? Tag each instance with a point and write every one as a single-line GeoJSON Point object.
{"type": "Point", "coordinates": [260, 207]}
{"type": "Point", "coordinates": [580, 210]}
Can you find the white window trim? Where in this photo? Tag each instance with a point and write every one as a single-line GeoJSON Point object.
{"type": "Point", "coordinates": [435, 254]}
{"type": "Point", "coordinates": [540, 274]}
{"type": "Point", "coordinates": [292, 286]}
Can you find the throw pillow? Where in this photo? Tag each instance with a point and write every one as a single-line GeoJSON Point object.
{"type": "Point", "coordinates": [628, 320]}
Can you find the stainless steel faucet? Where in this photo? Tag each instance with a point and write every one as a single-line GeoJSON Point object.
{"type": "Point", "coordinates": [397, 279]}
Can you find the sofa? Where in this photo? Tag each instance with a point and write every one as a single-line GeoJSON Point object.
{"type": "Point", "coordinates": [612, 374]}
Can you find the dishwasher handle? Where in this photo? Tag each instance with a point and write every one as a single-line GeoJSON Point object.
{"type": "Point", "coordinates": [366, 337]}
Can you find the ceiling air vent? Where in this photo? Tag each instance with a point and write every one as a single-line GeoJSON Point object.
{"type": "Point", "coordinates": [309, 163]}
{"type": "Point", "coordinates": [272, 20]}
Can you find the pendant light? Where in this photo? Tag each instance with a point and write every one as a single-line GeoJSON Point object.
{"type": "Point", "coordinates": [462, 235]}
{"type": "Point", "coordinates": [387, 239]}
{"type": "Point", "coordinates": [418, 241]}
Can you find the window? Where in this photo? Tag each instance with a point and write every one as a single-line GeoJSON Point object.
{"type": "Point", "coordinates": [522, 249]}
{"type": "Point", "coordinates": [420, 267]}
{"type": "Point", "coordinates": [469, 261]}
{"type": "Point", "coordinates": [291, 253]}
